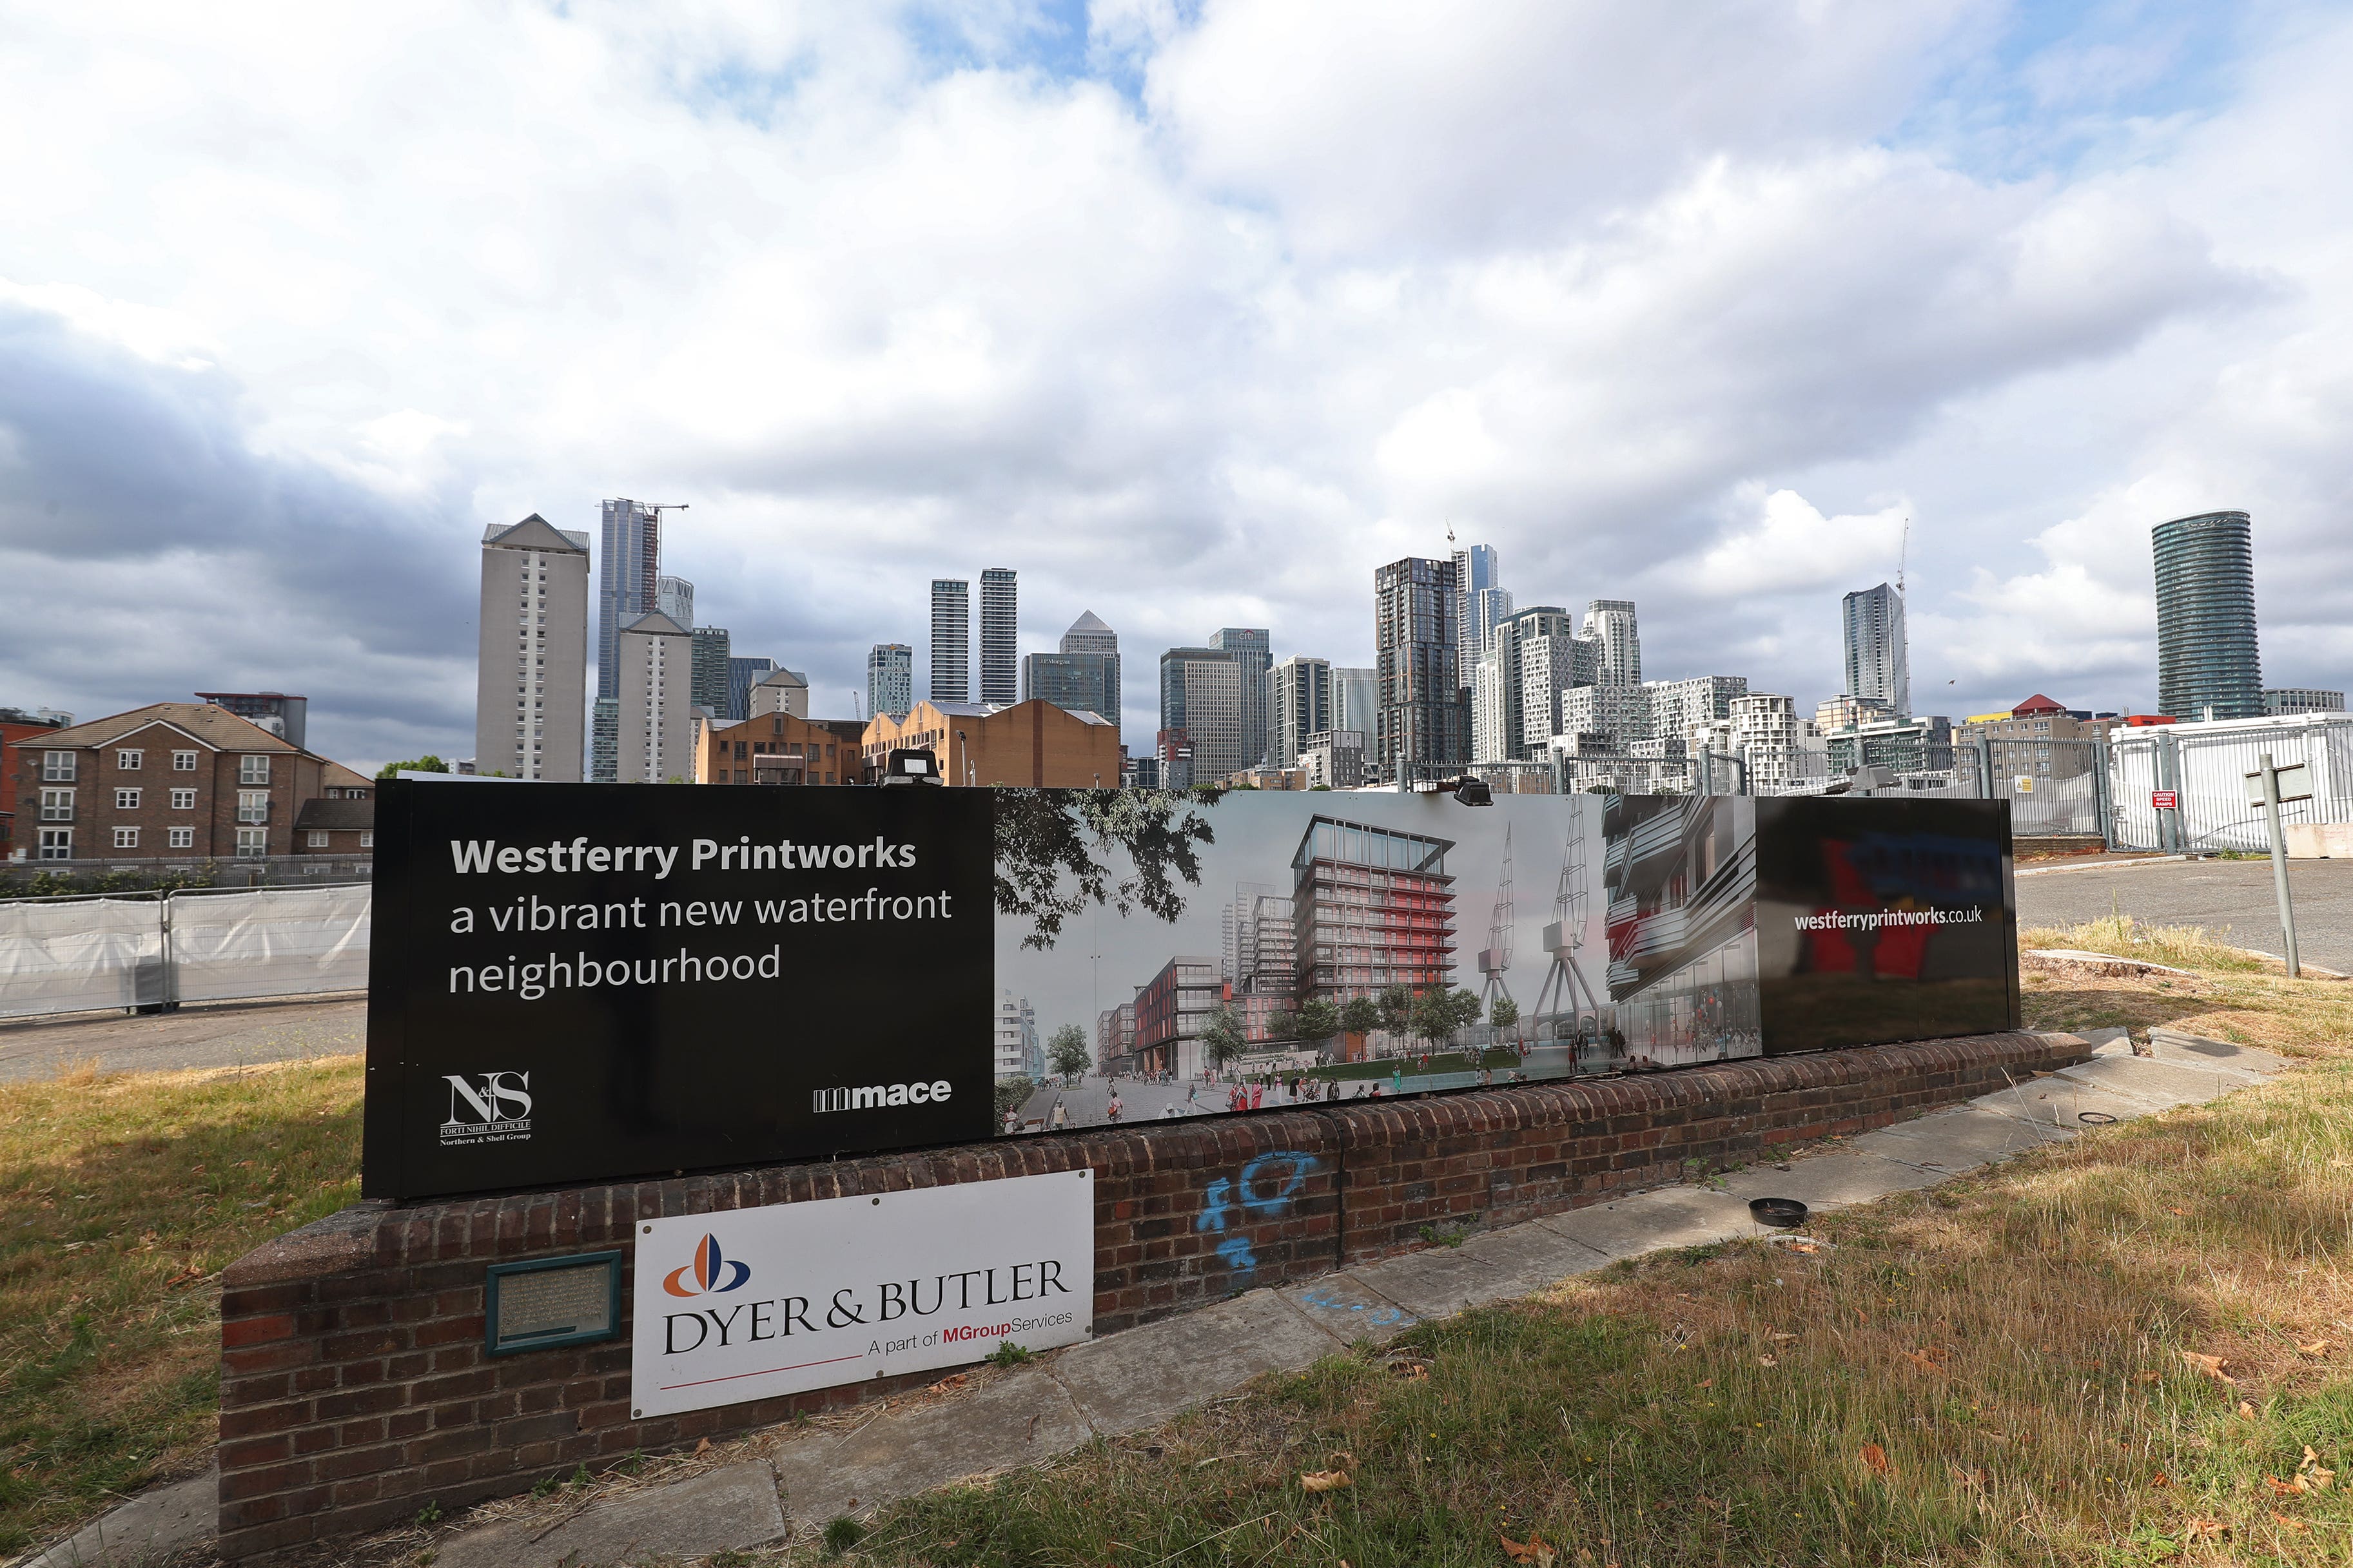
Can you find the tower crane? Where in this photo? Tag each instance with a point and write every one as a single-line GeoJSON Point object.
{"type": "Point", "coordinates": [1495, 958]}
{"type": "Point", "coordinates": [1566, 989]}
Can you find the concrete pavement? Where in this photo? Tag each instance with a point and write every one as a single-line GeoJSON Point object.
{"type": "Point", "coordinates": [2231, 899]}
{"type": "Point", "coordinates": [199, 1034]}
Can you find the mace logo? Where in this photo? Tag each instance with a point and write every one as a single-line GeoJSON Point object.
{"type": "Point", "coordinates": [710, 1274]}
{"type": "Point", "coordinates": [488, 1108]}
{"type": "Point", "coordinates": [875, 1097]}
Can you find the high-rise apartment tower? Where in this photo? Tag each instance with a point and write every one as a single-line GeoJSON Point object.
{"type": "Point", "coordinates": [1000, 634]}
{"type": "Point", "coordinates": [1423, 725]}
{"type": "Point", "coordinates": [1878, 663]}
{"type": "Point", "coordinates": [2206, 654]}
{"type": "Point", "coordinates": [951, 639]}
{"type": "Point", "coordinates": [889, 680]}
{"type": "Point", "coordinates": [532, 660]}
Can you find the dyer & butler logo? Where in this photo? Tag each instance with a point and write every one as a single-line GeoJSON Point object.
{"type": "Point", "coordinates": [710, 1274]}
{"type": "Point", "coordinates": [488, 1108]}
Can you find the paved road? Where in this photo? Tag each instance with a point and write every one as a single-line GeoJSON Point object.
{"type": "Point", "coordinates": [2231, 899]}
{"type": "Point", "coordinates": [205, 1035]}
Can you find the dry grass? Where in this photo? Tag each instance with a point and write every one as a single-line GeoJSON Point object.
{"type": "Point", "coordinates": [121, 1200]}
{"type": "Point", "coordinates": [1993, 1371]}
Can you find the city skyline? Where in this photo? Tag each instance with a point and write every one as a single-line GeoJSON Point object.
{"type": "Point", "coordinates": [1195, 316]}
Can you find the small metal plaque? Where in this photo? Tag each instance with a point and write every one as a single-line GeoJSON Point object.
{"type": "Point", "coordinates": [551, 1302]}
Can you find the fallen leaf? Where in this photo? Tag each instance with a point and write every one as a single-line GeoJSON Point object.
{"type": "Point", "coordinates": [1322, 1481]}
{"type": "Point", "coordinates": [2246, 1411]}
{"type": "Point", "coordinates": [1969, 1477]}
{"type": "Point", "coordinates": [2316, 1349]}
{"type": "Point", "coordinates": [2183, 1213]}
{"type": "Point", "coordinates": [1923, 1358]}
{"type": "Point", "coordinates": [1533, 1550]}
{"type": "Point", "coordinates": [1766, 1361]}
{"type": "Point", "coordinates": [2310, 1471]}
{"type": "Point", "coordinates": [2211, 1365]}
{"type": "Point", "coordinates": [2287, 1488]}
{"type": "Point", "coordinates": [1875, 1457]}
{"type": "Point", "coordinates": [2159, 1480]}
{"type": "Point", "coordinates": [703, 1446]}
{"type": "Point", "coordinates": [2205, 1529]}
{"type": "Point", "coordinates": [1777, 1337]}
{"type": "Point", "coordinates": [1707, 1383]}
{"type": "Point", "coordinates": [2151, 1376]}
{"type": "Point", "coordinates": [2285, 1522]}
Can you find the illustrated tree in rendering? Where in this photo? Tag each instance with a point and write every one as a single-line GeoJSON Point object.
{"type": "Point", "coordinates": [1505, 1012]}
{"type": "Point", "coordinates": [1284, 1026]}
{"type": "Point", "coordinates": [1221, 1037]}
{"type": "Point", "coordinates": [1057, 852]}
{"type": "Point", "coordinates": [1442, 1009]}
{"type": "Point", "coordinates": [1397, 1008]}
{"type": "Point", "coordinates": [1318, 1020]}
{"type": "Point", "coordinates": [1067, 1051]}
{"type": "Point", "coordinates": [1359, 1016]}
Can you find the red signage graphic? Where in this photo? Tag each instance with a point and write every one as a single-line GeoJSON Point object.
{"type": "Point", "coordinates": [2164, 799]}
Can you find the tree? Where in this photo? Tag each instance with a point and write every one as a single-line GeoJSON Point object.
{"type": "Point", "coordinates": [1318, 1020]}
{"type": "Point", "coordinates": [1283, 1025]}
{"type": "Point", "coordinates": [1504, 1014]}
{"type": "Point", "coordinates": [1360, 1016]}
{"type": "Point", "coordinates": [427, 764]}
{"type": "Point", "coordinates": [1442, 1009]}
{"type": "Point", "coordinates": [1054, 852]}
{"type": "Point", "coordinates": [1221, 1037]}
{"type": "Point", "coordinates": [1066, 1050]}
{"type": "Point", "coordinates": [1397, 1008]}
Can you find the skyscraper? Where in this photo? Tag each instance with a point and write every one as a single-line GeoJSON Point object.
{"type": "Point", "coordinates": [1201, 699]}
{"type": "Point", "coordinates": [627, 571]}
{"type": "Point", "coordinates": [1474, 573]}
{"type": "Point", "coordinates": [1501, 691]}
{"type": "Point", "coordinates": [655, 707]}
{"type": "Point", "coordinates": [1000, 632]}
{"type": "Point", "coordinates": [1085, 674]}
{"type": "Point", "coordinates": [889, 680]}
{"type": "Point", "coordinates": [1299, 698]}
{"type": "Point", "coordinates": [951, 640]}
{"type": "Point", "coordinates": [533, 634]}
{"type": "Point", "coordinates": [1617, 646]}
{"type": "Point", "coordinates": [674, 598]}
{"type": "Point", "coordinates": [1422, 724]}
{"type": "Point", "coordinates": [2206, 654]}
{"type": "Point", "coordinates": [1253, 651]}
{"type": "Point", "coordinates": [710, 659]}
{"type": "Point", "coordinates": [1878, 668]}
{"type": "Point", "coordinates": [743, 674]}
{"type": "Point", "coordinates": [1356, 700]}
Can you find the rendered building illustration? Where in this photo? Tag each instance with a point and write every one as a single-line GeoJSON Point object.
{"type": "Point", "coordinates": [1372, 907]}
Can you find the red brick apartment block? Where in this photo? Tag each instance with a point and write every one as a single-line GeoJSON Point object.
{"type": "Point", "coordinates": [354, 1387]}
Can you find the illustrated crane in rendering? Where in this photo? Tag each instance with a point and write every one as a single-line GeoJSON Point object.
{"type": "Point", "coordinates": [1566, 989]}
{"type": "Point", "coordinates": [1495, 958]}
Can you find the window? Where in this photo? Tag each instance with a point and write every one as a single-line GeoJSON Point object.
{"type": "Point", "coordinates": [252, 805]}
{"type": "Point", "coordinates": [317, 838]}
{"type": "Point", "coordinates": [252, 842]}
{"type": "Point", "coordinates": [183, 762]}
{"type": "Point", "coordinates": [56, 806]}
{"type": "Point", "coordinates": [253, 770]}
{"type": "Point", "coordinates": [367, 838]}
{"type": "Point", "coordinates": [183, 837]}
{"type": "Point", "coordinates": [126, 800]}
{"type": "Point", "coordinates": [57, 843]}
{"type": "Point", "coordinates": [58, 767]}
{"type": "Point", "coordinates": [126, 839]}
{"type": "Point", "coordinates": [128, 760]}
{"type": "Point", "coordinates": [184, 800]}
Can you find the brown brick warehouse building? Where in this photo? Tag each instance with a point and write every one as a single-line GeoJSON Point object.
{"type": "Point", "coordinates": [183, 780]}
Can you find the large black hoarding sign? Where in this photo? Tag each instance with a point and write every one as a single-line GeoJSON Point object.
{"type": "Point", "coordinates": [911, 966]}
{"type": "Point", "coordinates": [575, 981]}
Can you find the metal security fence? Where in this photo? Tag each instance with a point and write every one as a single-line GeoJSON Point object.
{"type": "Point", "coordinates": [2203, 768]}
{"type": "Point", "coordinates": [74, 954]}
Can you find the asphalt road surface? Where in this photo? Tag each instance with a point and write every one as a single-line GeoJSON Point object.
{"type": "Point", "coordinates": [2231, 899]}
{"type": "Point", "coordinates": [207, 1035]}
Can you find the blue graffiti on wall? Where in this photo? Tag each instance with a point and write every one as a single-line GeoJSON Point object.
{"type": "Point", "coordinates": [1260, 1189]}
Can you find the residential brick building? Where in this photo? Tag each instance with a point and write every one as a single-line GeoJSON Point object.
{"type": "Point", "coordinates": [172, 780]}
{"type": "Point", "coordinates": [1030, 743]}
{"type": "Point", "coordinates": [780, 748]}
{"type": "Point", "coordinates": [17, 727]}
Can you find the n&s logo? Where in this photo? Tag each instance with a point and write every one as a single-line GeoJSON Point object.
{"type": "Point", "coordinates": [710, 1274]}
{"type": "Point", "coordinates": [488, 1108]}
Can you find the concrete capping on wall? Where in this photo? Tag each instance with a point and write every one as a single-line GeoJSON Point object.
{"type": "Point", "coordinates": [354, 1388]}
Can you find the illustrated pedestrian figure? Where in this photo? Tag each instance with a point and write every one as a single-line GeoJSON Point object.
{"type": "Point", "coordinates": [1061, 1114]}
{"type": "Point", "coordinates": [1117, 1109]}
{"type": "Point", "coordinates": [1257, 1095]}
{"type": "Point", "coordinates": [1012, 1119]}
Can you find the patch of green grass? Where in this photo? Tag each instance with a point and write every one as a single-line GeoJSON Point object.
{"type": "Point", "coordinates": [121, 1198]}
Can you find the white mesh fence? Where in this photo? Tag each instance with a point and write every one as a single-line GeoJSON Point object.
{"type": "Point", "coordinates": [79, 955]}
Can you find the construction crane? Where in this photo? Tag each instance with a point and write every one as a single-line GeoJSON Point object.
{"type": "Point", "coordinates": [1903, 555]}
{"type": "Point", "coordinates": [1566, 989]}
{"type": "Point", "coordinates": [1495, 958]}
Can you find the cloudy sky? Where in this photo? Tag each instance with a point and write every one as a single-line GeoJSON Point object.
{"type": "Point", "coordinates": [1191, 313]}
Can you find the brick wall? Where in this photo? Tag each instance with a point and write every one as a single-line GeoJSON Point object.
{"type": "Point", "coordinates": [354, 1388]}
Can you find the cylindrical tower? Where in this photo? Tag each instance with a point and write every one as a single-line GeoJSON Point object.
{"type": "Point", "coordinates": [2206, 654]}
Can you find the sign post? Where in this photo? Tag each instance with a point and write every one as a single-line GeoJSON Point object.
{"type": "Point", "coordinates": [2267, 787]}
